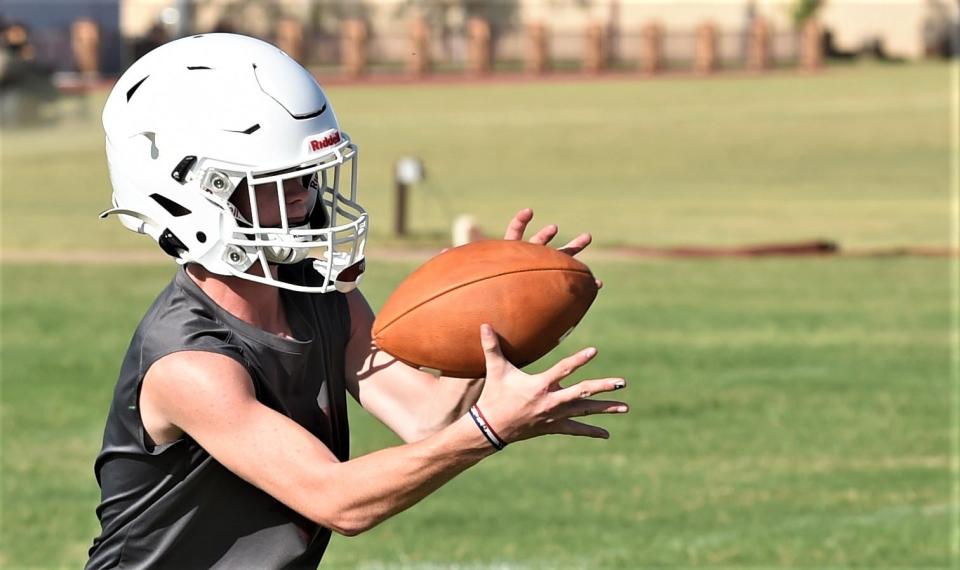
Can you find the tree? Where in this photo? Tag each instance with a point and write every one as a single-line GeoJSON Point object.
{"type": "Point", "coordinates": [500, 14]}
{"type": "Point", "coordinates": [803, 10]}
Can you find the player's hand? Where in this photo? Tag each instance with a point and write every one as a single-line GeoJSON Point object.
{"type": "Point", "coordinates": [518, 226]}
{"type": "Point", "coordinates": [520, 406]}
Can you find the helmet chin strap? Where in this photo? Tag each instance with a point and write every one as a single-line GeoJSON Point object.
{"type": "Point", "coordinates": [281, 254]}
{"type": "Point", "coordinates": [286, 254]}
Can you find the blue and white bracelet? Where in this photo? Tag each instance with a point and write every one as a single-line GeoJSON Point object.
{"type": "Point", "coordinates": [485, 428]}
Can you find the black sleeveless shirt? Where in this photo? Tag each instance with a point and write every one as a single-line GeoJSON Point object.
{"type": "Point", "coordinates": [173, 505]}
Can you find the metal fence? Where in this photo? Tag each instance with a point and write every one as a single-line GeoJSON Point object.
{"type": "Point", "coordinates": [389, 37]}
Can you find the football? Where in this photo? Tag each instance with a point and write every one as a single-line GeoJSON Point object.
{"type": "Point", "coordinates": [532, 295]}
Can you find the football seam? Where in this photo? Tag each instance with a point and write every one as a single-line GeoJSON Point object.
{"type": "Point", "coordinates": [459, 285]}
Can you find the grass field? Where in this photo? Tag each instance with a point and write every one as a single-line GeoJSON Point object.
{"type": "Point", "coordinates": [855, 155]}
{"type": "Point", "coordinates": [785, 412]}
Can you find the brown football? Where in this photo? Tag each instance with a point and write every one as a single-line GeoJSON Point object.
{"type": "Point", "coordinates": [532, 295]}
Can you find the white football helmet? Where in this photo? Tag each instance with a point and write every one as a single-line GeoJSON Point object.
{"type": "Point", "coordinates": [200, 127]}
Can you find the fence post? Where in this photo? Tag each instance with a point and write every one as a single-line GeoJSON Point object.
{"type": "Point", "coordinates": [595, 52]}
{"type": "Point", "coordinates": [478, 53]}
{"type": "Point", "coordinates": [811, 45]}
{"type": "Point", "coordinates": [353, 47]}
{"type": "Point", "coordinates": [290, 38]}
{"type": "Point", "coordinates": [759, 56]}
{"type": "Point", "coordinates": [418, 64]}
{"type": "Point", "coordinates": [705, 59]}
{"type": "Point", "coordinates": [85, 43]}
{"type": "Point", "coordinates": [651, 56]}
{"type": "Point", "coordinates": [538, 48]}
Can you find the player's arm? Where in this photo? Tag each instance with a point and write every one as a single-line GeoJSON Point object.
{"type": "Point", "coordinates": [410, 402]}
{"type": "Point", "coordinates": [211, 398]}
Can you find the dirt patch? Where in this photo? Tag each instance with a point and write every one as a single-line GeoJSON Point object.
{"type": "Point", "coordinates": [422, 253]}
{"type": "Point", "coordinates": [104, 85]}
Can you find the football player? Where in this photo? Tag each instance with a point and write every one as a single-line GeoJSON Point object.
{"type": "Point", "coordinates": [226, 443]}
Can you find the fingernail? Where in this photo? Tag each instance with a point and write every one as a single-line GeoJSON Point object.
{"type": "Point", "coordinates": [619, 384]}
{"type": "Point", "coordinates": [590, 352]}
{"type": "Point", "coordinates": [622, 409]}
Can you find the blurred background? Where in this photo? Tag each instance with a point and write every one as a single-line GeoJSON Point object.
{"type": "Point", "coordinates": [772, 190]}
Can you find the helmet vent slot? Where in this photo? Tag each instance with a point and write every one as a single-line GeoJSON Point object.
{"type": "Point", "coordinates": [180, 172]}
{"type": "Point", "coordinates": [176, 210]}
{"type": "Point", "coordinates": [248, 131]}
{"type": "Point", "coordinates": [171, 244]}
{"type": "Point", "coordinates": [196, 67]}
{"type": "Point", "coordinates": [136, 86]}
{"type": "Point", "coordinates": [310, 115]}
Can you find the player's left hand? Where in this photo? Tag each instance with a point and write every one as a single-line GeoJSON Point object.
{"type": "Point", "coordinates": [518, 225]}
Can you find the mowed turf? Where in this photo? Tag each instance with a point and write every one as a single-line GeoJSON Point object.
{"type": "Point", "coordinates": [784, 413]}
{"type": "Point", "coordinates": [858, 155]}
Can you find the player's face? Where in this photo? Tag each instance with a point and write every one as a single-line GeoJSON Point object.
{"type": "Point", "coordinates": [296, 197]}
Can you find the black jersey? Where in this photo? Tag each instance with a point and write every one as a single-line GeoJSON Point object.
{"type": "Point", "coordinates": [173, 505]}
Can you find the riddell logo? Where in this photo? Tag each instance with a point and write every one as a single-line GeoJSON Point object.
{"type": "Point", "coordinates": [327, 141]}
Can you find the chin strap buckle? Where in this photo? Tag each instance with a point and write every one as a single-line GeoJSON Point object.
{"type": "Point", "coordinates": [171, 244]}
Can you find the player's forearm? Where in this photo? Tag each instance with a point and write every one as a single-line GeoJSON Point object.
{"type": "Point", "coordinates": [451, 399]}
{"type": "Point", "coordinates": [362, 492]}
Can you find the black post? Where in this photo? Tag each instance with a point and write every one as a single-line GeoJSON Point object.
{"type": "Point", "coordinates": [184, 25]}
{"type": "Point", "coordinates": [400, 221]}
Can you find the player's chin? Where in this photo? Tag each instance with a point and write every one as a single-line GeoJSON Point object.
{"type": "Point", "coordinates": [291, 224]}
{"type": "Point", "coordinates": [294, 219]}
{"type": "Point", "coordinates": [297, 214]}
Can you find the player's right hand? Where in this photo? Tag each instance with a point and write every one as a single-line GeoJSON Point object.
{"type": "Point", "coordinates": [521, 406]}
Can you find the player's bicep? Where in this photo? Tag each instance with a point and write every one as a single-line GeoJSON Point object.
{"type": "Point", "coordinates": [211, 398]}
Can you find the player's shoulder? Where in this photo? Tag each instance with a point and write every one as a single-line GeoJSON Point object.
{"type": "Point", "coordinates": [190, 373]}
{"type": "Point", "coordinates": [184, 391]}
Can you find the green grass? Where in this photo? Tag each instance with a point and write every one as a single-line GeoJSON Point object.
{"type": "Point", "coordinates": [785, 413]}
{"type": "Point", "coordinates": [858, 155]}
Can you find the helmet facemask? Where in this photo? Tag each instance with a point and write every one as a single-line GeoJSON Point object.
{"type": "Point", "coordinates": [332, 228]}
